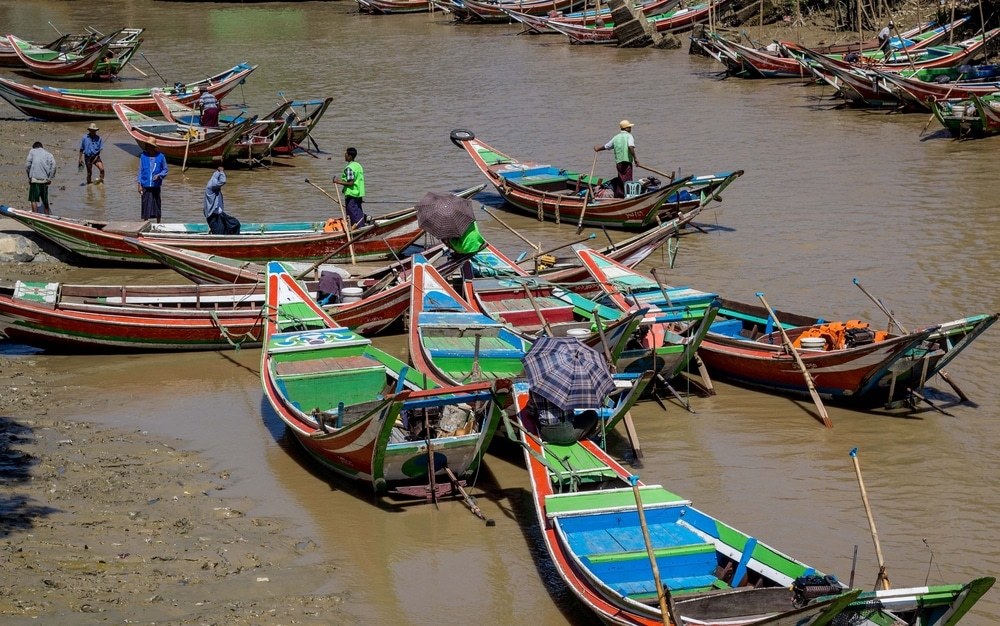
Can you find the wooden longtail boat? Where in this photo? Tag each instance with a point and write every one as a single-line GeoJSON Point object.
{"type": "Point", "coordinates": [453, 343]}
{"type": "Point", "coordinates": [587, 510]}
{"type": "Point", "coordinates": [107, 242]}
{"type": "Point", "coordinates": [389, 7]}
{"type": "Point", "coordinates": [675, 21]}
{"type": "Point", "coordinates": [989, 112]}
{"type": "Point", "coordinates": [918, 93]}
{"type": "Point", "coordinates": [360, 411]}
{"type": "Point", "coordinates": [538, 24]}
{"type": "Point", "coordinates": [914, 38]}
{"type": "Point", "coordinates": [558, 194]}
{"type": "Point", "coordinates": [61, 104]}
{"type": "Point", "coordinates": [281, 131]}
{"type": "Point", "coordinates": [486, 11]}
{"type": "Point", "coordinates": [967, 118]}
{"type": "Point", "coordinates": [663, 342]}
{"type": "Point", "coordinates": [92, 318]}
{"type": "Point", "coordinates": [65, 43]}
{"type": "Point", "coordinates": [850, 362]}
{"type": "Point", "coordinates": [100, 59]}
{"type": "Point", "coordinates": [180, 143]}
{"type": "Point", "coordinates": [746, 62]}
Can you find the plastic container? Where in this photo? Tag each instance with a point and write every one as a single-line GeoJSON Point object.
{"type": "Point", "coordinates": [813, 344]}
{"type": "Point", "coordinates": [579, 333]}
{"type": "Point", "coordinates": [351, 294]}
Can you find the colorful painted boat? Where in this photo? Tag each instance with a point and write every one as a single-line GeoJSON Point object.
{"type": "Point", "coordinates": [919, 93]}
{"type": "Point", "coordinates": [976, 116]}
{"type": "Point", "coordinates": [180, 143]}
{"type": "Point", "coordinates": [558, 194]}
{"type": "Point", "coordinates": [280, 131]}
{"type": "Point", "coordinates": [9, 58]}
{"type": "Point", "coordinates": [538, 24]}
{"type": "Point", "coordinates": [103, 59]}
{"type": "Point", "coordinates": [663, 342]}
{"type": "Point", "coordinates": [101, 318]}
{"type": "Point", "coordinates": [493, 12]}
{"type": "Point", "coordinates": [389, 7]}
{"type": "Point", "coordinates": [913, 38]}
{"type": "Point", "coordinates": [61, 104]}
{"type": "Point", "coordinates": [850, 362]}
{"type": "Point", "coordinates": [587, 507]}
{"type": "Point", "coordinates": [362, 413]}
{"type": "Point", "coordinates": [674, 21]}
{"type": "Point", "coordinates": [385, 238]}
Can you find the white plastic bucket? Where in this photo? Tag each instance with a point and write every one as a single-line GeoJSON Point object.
{"type": "Point", "coordinates": [351, 294]}
{"type": "Point", "coordinates": [579, 333]}
{"type": "Point", "coordinates": [813, 344]}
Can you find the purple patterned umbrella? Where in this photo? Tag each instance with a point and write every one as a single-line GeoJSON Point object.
{"type": "Point", "coordinates": [568, 373]}
{"type": "Point", "coordinates": [445, 215]}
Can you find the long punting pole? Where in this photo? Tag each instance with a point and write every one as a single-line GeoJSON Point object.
{"type": "Point", "coordinates": [802, 366]}
{"type": "Point", "coordinates": [903, 330]}
{"type": "Point", "coordinates": [667, 610]}
{"type": "Point", "coordinates": [586, 194]}
{"type": "Point", "coordinates": [343, 214]}
{"type": "Point", "coordinates": [883, 578]}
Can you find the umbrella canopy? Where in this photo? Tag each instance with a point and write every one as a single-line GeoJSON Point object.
{"type": "Point", "coordinates": [445, 215]}
{"type": "Point", "coordinates": [568, 373]}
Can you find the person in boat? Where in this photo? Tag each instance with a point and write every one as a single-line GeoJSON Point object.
{"type": "Point", "coordinates": [41, 168]}
{"type": "Point", "coordinates": [152, 171]}
{"type": "Point", "coordinates": [353, 181]}
{"type": "Point", "coordinates": [219, 222]}
{"type": "Point", "coordinates": [561, 426]}
{"type": "Point", "coordinates": [90, 153]}
{"type": "Point", "coordinates": [470, 242]}
{"type": "Point", "coordinates": [208, 104]}
{"type": "Point", "coordinates": [624, 146]}
{"type": "Point", "coordinates": [884, 36]}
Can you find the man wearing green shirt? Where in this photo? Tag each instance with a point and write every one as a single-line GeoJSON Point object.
{"type": "Point", "coordinates": [353, 180]}
{"type": "Point", "coordinates": [624, 146]}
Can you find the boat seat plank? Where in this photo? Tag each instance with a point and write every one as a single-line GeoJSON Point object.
{"type": "Point", "coordinates": [124, 227]}
{"type": "Point", "coordinates": [326, 364]}
{"type": "Point", "coordinates": [465, 347]}
{"type": "Point", "coordinates": [610, 499]}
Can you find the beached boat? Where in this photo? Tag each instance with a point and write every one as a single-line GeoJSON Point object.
{"type": "Point", "coordinates": [558, 194]}
{"type": "Point", "coordinates": [389, 7]}
{"type": "Point", "coordinates": [180, 143]}
{"type": "Point", "coordinates": [452, 343]}
{"type": "Point", "coordinates": [538, 24]}
{"type": "Point", "coordinates": [363, 413]}
{"type": "Point", "coordinates": [493, 11]}
{"type": "Point", "coordinates": [100, 318]}
{"type": "Point", "coordinates": [602, 528]}
{"type": "Point", "coordinates": [850, 362]}
{"type": "Point", "coordinates": [676, 20]}
{"type": "Point", "coordinates": [107, 242]}
{"type": "Point", "coordinates": [62, 104]}
{"type": "Point", "coordinates": [64, 43]}
{"type": "Point", "coordinates": [280, 131]}
{"type": "Point", "coordinates": [913, 38]}
{"type": "Point", "coordinates": [101, 59]}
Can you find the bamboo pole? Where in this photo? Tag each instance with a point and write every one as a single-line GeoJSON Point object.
{"type": "Point", "coordinates": [802, 366]}
{"type": "Point", "coordinates": [882, 579]}
{"type": "Point", "coordinates": [668, 613]}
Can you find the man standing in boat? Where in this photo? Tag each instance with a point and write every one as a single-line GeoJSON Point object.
{"type": "Point", "coordinates": [353, 180]}
{"type": "Point", "coordinates": [41, 168]}
{"type": "Point", "coordinates": [884, 36]}
{"type": "Point", "coordinates": [90, 153]}
{"type": "Point", "coordinates": [624, 146]}
{"type": "Point", "coordinates": [209, 106]}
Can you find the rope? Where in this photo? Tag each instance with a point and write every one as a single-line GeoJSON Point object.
{"type": "Point", "coordinates": [237, 340]}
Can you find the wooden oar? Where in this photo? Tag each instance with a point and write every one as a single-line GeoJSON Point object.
{"type": "Point", "coordinates": [883, 578]}
{"type": "Point", "coordinates": [469, 500]}
{"type": "Point", "coordinates": [586, 196]}
{"type": "Point", "coordinates": [315, 265]}
{"type": "Point", "coordinates": [667, 611]}
{"type": "Point", "coordinates": [802, 366]}
{"type": "Point", "coordinates": [663, 288]}
{"type": "Point", "coordinates": [514, 232]}
{"type": "Point", "coordinates": [343, 214]}
{"type": "Point", "coordinates": [658, 172]}
{"type": "Point", "coordinates": [538, 311]}
{"type": "Point", "coordinates": [944, 375]}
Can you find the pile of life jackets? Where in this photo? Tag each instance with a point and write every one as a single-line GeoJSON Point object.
{"type": "Point", "coordinates": [840, 335]}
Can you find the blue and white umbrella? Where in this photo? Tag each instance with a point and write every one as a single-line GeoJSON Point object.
{"type": "Point", "coordinates": [568, 373]}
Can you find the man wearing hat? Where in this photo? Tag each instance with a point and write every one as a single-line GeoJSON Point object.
{"type": "Point", "coordinates": [152, 171]}
{"type": "Point", "coordinates": [624, 146]}
{"type": "Point", "coordinates": [90, 152]}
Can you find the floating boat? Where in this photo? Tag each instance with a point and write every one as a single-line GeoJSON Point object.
{"type": "Point", "coordinates": [97, 59]}
{"type": "Point", "coordinates": [107, 242]}
{"type": "Point", "coordinates": [61, 104]}
{"type": "Point", "coordinates": [362, 413]}
{"type": "Point", "coordinates": [602, 528]}
{"type": "Point", "coordinates": [850, 362]}
{"type": "Point", "coordinates": [558, 194]}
